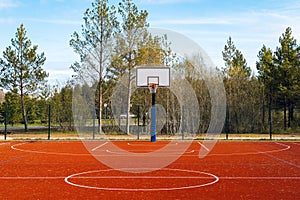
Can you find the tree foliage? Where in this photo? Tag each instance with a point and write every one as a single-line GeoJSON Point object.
{"type": "Point", "coordinates": [21, 69]}
{"type": "Point", "coordinates": [94, 46]}
{"type": "Point", "coordinates": [279, 74]}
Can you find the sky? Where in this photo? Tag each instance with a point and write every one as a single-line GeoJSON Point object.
{"type": "Point", "coordinates": [250, 23]}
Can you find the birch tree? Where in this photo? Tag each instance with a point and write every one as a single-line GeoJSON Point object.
{"type": "Point", "coordinates": [94, 46]}
{"type": "Point", "coordinates": [133, 27]}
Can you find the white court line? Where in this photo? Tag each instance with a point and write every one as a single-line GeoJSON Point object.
{"type": "Point", "coordinates": [101, 145]}
{"type": "Point", "coordinates": [4, 143]}
{"type": "Point", "coordinates": [287, 147]}
{"type": "Point", "coordinates": [30, 178]}
{"type": "Point", "coordinates": [112, 153]}
{"type": "Point", "coordinates": [202, 145]}
{"type": "Point", "coordinates": [216, 179]}
{"type": "Point", "coordinates": [126, 153]}
{"type": "Point", "coordinates": [262, 178]}
{"type": "Point", "coordinates": [153, 177]}
{"type": "Point", "coordinates": [277, 158]}
{"type": "Point", "coordinates": [129, 144]}
{"type": "Point", "coordinates": [296, 143]}
{"type": "Point", "coordinates": [14, 147]}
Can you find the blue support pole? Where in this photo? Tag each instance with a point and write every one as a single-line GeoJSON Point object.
{"type": "Point", "coordinates": [153, 119]}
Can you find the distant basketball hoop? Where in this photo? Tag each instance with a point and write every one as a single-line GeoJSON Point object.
{"type": "Point", "coordinates": [153, 87]}
{"type": "Point", "coordinates": [153, 77]}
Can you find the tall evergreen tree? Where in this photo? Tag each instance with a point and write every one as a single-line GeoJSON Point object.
{"type": "Point", "coordinates": [268, 77]}
{"type": "Point", "coordinates": [21, 69]}
{"type": "Point", "coordinates": [237, 80]}
{"type": "Point", "coordinates": [287, 63]}
{"type": "Point", "coordinates": [235, 63]}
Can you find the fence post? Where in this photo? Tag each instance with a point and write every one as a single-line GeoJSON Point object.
{"type": "Point", "coordinates": [49, 120]}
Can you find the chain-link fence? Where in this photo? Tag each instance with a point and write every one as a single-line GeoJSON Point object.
{"type": "Point", "coordinates": [47, 121]}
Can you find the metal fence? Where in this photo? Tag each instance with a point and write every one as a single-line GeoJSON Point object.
{"type": "Point", "coordinates": [47, 122]}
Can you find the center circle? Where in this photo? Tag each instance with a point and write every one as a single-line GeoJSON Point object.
{"type": "Point", "coordinates": [173, 179]}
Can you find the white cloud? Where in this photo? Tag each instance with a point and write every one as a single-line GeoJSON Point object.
{"type": "Point", "coordinates": [9, 4]}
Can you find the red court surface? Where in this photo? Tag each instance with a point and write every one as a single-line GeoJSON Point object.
{"type": "Point", "coordinates": [232, 170]}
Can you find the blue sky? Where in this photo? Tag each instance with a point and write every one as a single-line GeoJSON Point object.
{"type": "Point", "coordinates": [250, 23]}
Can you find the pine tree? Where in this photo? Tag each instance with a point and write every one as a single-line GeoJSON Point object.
{"type": "Point", "coordinates": [21, 69]}
{"type": "Point", "coordinates": [237, 79]}
{"type": "Point", "coordinates": [268, 77]}
{"type": "Point", "coordinates": [287, 63]}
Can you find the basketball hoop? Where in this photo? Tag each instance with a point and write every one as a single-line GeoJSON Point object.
{"type": "Point", "coordinates": [153, 87]}
{"type": "Point", "coordinates": [153, 77]}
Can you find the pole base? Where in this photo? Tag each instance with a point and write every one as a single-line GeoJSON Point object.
{"type": "Point", "coordinates": [153, 138]}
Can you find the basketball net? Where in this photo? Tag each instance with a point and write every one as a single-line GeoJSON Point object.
{"type": "Point", "coordinates": [153, 87]}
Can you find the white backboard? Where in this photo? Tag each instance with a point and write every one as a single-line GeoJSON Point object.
{"type": "Point", "coordinates": [152, 74]}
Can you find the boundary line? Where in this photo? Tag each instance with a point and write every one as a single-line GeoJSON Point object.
{"type": "Point", "coordinates": [212, 176]}
{"type": "Point", "coordinates": [202, 145]}
{"type": "Point", "coordinates": [101, 145]}
{"type": "Point", "coordinates": [282, 160]}
{"type": "Point", "coordinates": [254, 153]}
{"type": "Point", "coordinates": [153, 177]}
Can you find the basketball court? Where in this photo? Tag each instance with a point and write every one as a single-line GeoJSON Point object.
{"type": "Point", "coordinates": [232, 170]}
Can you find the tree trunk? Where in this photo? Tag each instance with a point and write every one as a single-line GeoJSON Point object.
{"type": "Point", "coordinates": [173, 115]}
{"type": "Point", "coordinates": [284, 114]}
{"type": "Point", "coordinates": [290, 114]}
{"type": "Point", "coordinates": [100, 92]}
{"type": "Point", "coordinates": [100, 78]}
{"type": "Point", "coordinates": [167, 114]}
{"type": "Point", "coordinates": [263, 110]}
{"type": "Point", "coordinates": [24, 115]}
{"type": "Point", "coordinates": [128, 104]}
{"type": "Point", "coordinates": [100, 103]}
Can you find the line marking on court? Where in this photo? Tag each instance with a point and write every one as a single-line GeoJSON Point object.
{"type": "Point", "coordinates": [296, 143]}
{"type": "Point", "coordinates": [202, 145]}
{"type": "Point", "coordinates": [151, 177]}
{"type": "Point", "coordinates": [262, 178]}
{"type": "Point", "coordinates": [282, 160]}
{"type": "Point", "coordinates": [121, 153]}
{"type": "Point", "coordinates": [4, 143]}
{"type": "Point", "coordinates": [101, 145]}
{"type": "Point", "coordinates": [287, 147]}
{"type": "Point", "coordinates": [31, 177]}
{"type": "Point", "coordinates": [214, 178]}
{"type": "Point", "coordinates": [277, 158]}
{"type": "Point", "coordinates": [44, 152]}
{"type": "Point", "coordinates": [130, 144]}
